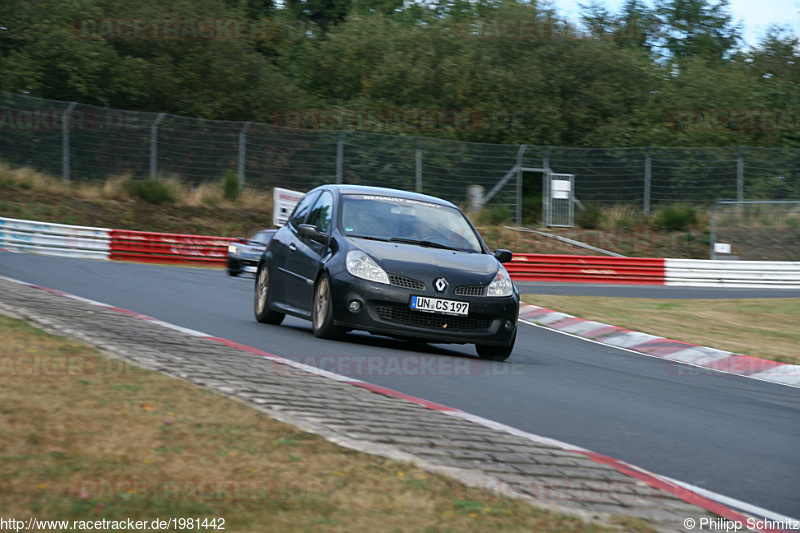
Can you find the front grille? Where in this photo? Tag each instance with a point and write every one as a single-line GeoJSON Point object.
{"type": "Point", "coordinates": [402, 314]}
{"type": "Point", "coordinates": [471, 290]}
{"type": "Point", "coordinates": [406, 283]}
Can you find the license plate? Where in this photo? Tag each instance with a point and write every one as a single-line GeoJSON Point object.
{"type": "Point", "coordinates": [249, 269]}
{"type": "Point", "coordinates": [437, 305]}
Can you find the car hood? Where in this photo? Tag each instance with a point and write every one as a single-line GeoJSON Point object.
{"type": "Point", "coordinates": [423, 262]}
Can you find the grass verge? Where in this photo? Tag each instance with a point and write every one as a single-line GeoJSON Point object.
{"type": "Point", "coordinates": [765, 328]}
{"type": "Point", "coordinates": [86, 437]}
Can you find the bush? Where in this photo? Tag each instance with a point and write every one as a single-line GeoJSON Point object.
{"type": "Point", "coordinates": [230, 186]}
{"type": "Point", "coordinates": [622, 217]}
{"type": "Point", "coordinates": [494, 215]}
{"type": "Point", "coordinates": [589, 217]}
{"type": "Point", "coordinates": [531, 210]}
{"type": "Point", "coordinates": [151, 190]}
{"type": "Point", "coordinates": [675, 217]}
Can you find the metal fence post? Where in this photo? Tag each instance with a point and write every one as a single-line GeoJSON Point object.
{"type": "Point", "coordinates": [740, 174]}
{"type": "Point", "coordinates": [648, 165]}
{"type": "Point", "coordinates": [546, 159]}
{"type": "Point", "coordinates": [154, 144]}
{"type": "Point", "coordinates": [546, 186]}
{"type": "Point", "coordinates": [418, 165]}
{"type": "Point", "coordinates": [65, 121]}
{"type": "Point", "coordinates": [340, 157]}
{"type": "Point", "coordinates": [713, 231]}
{"type": "Point", "coordinates": [518, 211]}
{"type": "Point", "coordinates": [242, 152]}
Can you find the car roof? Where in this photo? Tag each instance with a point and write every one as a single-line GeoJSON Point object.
{"type": "Point", "coordinates": [385, 191]}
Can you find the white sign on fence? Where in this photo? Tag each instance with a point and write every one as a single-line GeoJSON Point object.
{"type": "Point", "coordinates": [561, 189]}
{"type": "Point", "coordinates": [284, 201]}
{"type": "Point", "coordinates": [722, 248]}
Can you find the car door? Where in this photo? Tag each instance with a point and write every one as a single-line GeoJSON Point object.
{"type": "Point", "coordinates": [304, 262]}
{"type": "Point", "coordinates": [282, 249]}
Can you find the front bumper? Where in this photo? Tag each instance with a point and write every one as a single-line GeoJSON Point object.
{"type": "Point", "coordinates": [242, 264]}
{"type": "Point", "coordinates": [385, 309]}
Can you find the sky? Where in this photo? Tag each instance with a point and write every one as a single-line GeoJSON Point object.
{"type": "Point", "coordinates": [755, 15]}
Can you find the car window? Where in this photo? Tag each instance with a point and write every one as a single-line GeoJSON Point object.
{"type": "Point", "coordinates": [320, 215]}
{"type": "Point", "coordinates": [261, 236]}
{"type": "Point", "coordinates": [387, 218]}
{"type": "Point", "coordinates": [299, 214]}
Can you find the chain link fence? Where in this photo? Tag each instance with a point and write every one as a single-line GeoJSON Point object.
{"type": "Point", "coordinates": [83, 142]}
{"type": "Point", "coordinates": [753, 230]}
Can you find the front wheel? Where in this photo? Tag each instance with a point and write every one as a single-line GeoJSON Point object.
{"type": "Point", "coordinates": [496, 353]}
{"type": "Point", "coordinates": [261, 299]}
{"type": "Point", "coordinates": [322, 311]}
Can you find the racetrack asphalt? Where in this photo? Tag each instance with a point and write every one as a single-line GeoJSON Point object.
{"type": "Point", "coordinates": [374, 419]}
{"type": "Point", "coordinates": [118, 282]}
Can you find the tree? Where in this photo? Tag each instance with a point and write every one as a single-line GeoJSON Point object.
{"type": "Point", "coordinates": [697, 28]}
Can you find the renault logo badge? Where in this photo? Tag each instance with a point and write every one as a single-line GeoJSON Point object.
{"type": "Point", "coordinates": [440, 285]}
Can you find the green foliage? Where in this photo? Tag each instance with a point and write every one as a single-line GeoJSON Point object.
{"type": "Point", "coordinates": [697, 28]}
{"type": "Point", "coordinates": [606, 83]}
{"type": "Point", "coordinates": [230, 186]}
{"type": "Point", "coordinates": [151, 190]}
{"type": "Point", "coordinates": [494, 215]}
{"type": "Point", "coordinates": [674, 217]}
{"type": "Point", "coordinates": [531, 210]}
{"type": "Point", "coordinates": [589, 217]}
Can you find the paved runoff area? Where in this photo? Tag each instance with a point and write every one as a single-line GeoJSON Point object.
{"type": "Point", "coordinates": [357, 415]}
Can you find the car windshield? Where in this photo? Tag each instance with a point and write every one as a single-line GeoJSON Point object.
{"type": "Point", "coordinates": [408, 221]}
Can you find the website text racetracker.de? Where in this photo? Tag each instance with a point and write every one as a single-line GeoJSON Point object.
{"type": "Point", "coordinates": [393, 365]}
{"type": "Point", "coordinates": [158, 524]}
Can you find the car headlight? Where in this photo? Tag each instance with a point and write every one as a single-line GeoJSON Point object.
{"type": "Point", "coordinates": [501, 285]}
{"type": "Point", "coordinates": [232, 249]}
{"type": "Point", "coordinates": [363, 266]}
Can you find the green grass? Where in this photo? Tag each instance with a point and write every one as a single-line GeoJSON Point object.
{"type": "Point", "coordinates": [765, 328]}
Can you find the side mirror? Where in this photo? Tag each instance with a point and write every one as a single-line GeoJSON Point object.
{"type": "Point", "coordinates": [310, 231]}
{"type": "Point", "coordinates": [502, 255]}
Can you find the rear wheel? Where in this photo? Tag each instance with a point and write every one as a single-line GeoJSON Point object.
{"type": "Point", "coordinates": [261, 299]}
{"type": "Point", "coordinates": [496, 353]}
{"type": "Point", "coordinates": [322, 311]}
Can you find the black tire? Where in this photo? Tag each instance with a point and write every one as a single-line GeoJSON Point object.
{"type": "Point", "coordinates": [261, 299]}
{"type": "Point", "coordinates": [322, 311]}
{"type": "Point", "coordinates": [232, 270]}
{"type": "Point", "coordinates": [496, 353]}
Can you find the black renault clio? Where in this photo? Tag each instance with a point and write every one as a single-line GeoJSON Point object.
{"type": "Point", "coordinates": [389, 262]}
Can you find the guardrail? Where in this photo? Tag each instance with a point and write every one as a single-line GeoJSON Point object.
{"type": "Point", "coordinates": [170, 248]}
{"type": "Point", "coordinates": [173, 248]}
{"type": "Point", "coordinates": [744, 274]}
{"type": "Point", "coordinates": [587, 269]}
{"type": "Point", "coordinates": [54, 239]}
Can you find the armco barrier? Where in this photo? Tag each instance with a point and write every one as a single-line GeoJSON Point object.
{"type": "Point", "coordinates": [742, 274]}
{"type": "Point", "coordinates": [53, 239]}
{"type": "Point", "coordinates": [151, 247]}
{"type": "Point", "coordinates": [586, 268]}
